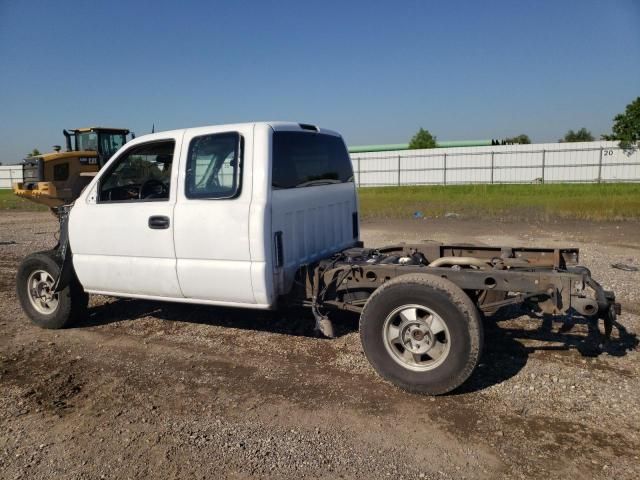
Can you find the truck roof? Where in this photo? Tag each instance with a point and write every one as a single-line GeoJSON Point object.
{"type": "Point", "coordinates": [274, 125]}
{"type": "Point", "coordinates": [281, 126]}
{"type": "Point", "coordinates": [89, 129]}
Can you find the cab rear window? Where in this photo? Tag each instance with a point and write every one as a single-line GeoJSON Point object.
{"type": "Point", "coordinates": [306, 159]}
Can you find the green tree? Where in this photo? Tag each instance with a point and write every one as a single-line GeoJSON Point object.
{"type": "Point", "coordinates": [521, 139]}
{"type": "Point", "coordinates": [626, 126]}
{"type": "Point", "coordinates": [582, 135]}
{"type": "Point", "coordinates": [422, 139]}
{"type": "Point", "coordinates": [33, 153]}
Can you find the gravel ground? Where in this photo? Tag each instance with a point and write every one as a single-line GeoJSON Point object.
{"type": "Point", "coordinates": [145, 389]}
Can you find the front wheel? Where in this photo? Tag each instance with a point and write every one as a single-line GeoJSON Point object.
{"type": "Point", "coordinates": [34, 284]}
{"type": "Point", "coordinates": [422, 333]}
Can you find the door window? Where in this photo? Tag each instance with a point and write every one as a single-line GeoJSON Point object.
{"type": "Point", "coordinates": [142, 173]}
{"type": "Point", "coordinates": [213, 166]}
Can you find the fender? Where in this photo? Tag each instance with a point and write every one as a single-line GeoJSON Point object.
{"type": "Point", "coordinates": [63, 250]}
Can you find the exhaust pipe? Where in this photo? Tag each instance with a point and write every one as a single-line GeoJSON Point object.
{"type": "Point", "coordinates": [463, 261]}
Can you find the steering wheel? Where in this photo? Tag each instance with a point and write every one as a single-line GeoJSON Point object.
{"type": "Point", "coordinates": [152, 188]}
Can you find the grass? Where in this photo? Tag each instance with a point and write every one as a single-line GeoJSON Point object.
{"type": "Point", "coordinates": [596, 202]}
{"type": "Point", "coordinates": [9, 201]}
{"type": "Point", "coordinates": [611, 201]}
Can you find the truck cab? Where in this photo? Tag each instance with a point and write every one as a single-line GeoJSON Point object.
{"type": "Point", "coordinates": [220, 215]}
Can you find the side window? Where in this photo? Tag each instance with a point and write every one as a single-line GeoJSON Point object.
{"type": "Point", "coordinates": [110, 143]}
{"type": "Point", "coordinates": [61, 172]}
{"type": "Point", "coordinates": [305, 159]}
{"type": "Point", "coordinates": [213, 166]}
{"type": "Point", "coordinates": [142, 173]}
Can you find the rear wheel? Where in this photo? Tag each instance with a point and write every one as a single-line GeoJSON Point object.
{"type": "Point", "coordinates": [422, 333]}
{"type": "Point", "coordinates": [48, 309]}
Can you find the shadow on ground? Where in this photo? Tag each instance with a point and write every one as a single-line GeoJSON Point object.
{"type": "Point", "coordinates": [506, 348]}
{"type": "Point", "coordinates": [293, 321]}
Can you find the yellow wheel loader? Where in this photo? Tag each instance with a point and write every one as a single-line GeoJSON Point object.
{"type": "Point", "coordinates": [57, 178]}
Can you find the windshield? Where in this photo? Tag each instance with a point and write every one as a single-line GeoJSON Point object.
{"type": "Point", "coordinates": [105, 143]}
{"type": "Point", "coordinates": [87, 141]}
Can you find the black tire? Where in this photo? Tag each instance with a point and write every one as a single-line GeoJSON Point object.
{"type": "Point", "coordinates": [72, 301]}
{"type": "Point", "coordinates": [453, 307]}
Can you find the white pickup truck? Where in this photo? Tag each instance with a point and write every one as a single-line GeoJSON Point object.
{"type": "Point", "coordinates": [261, 215]}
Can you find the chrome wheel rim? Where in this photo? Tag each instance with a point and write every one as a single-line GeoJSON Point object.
{"type": "Point", "coordinates": [416, 337]}
{"type": "Point", "coordinates": [40, 288]}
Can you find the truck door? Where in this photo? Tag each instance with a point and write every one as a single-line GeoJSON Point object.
{"type": "Point", "coordinates": [121, 230]}
{"type": "Point", "coordinates": [212, 215]}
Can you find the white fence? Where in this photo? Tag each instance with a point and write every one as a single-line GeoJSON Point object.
{"type": "Point", "coordinates": [584, 162]}
{"type": "Point", "coordinates": [10, 174]}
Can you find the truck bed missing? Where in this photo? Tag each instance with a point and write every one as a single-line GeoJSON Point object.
{"type": "Point", "coordinates": [263, 215]}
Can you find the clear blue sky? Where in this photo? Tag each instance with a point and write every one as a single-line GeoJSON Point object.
{"type": "Point", "coordinates": [374, 70]}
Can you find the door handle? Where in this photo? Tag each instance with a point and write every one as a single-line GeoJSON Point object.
{"type": "Point", "coordinates": [158, 222]}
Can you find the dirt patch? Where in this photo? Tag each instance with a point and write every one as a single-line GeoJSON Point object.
{"type": "Point", "coordinates": [147, 389]}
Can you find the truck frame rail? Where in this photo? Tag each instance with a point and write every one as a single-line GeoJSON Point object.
{"type": "Point", "coordinates": [548, 281]}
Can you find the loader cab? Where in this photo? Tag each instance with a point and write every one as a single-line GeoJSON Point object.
{"type": "Point", "coordinates": [58, 177]}
{"type": "Point", "coordinates": [104, 141]}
